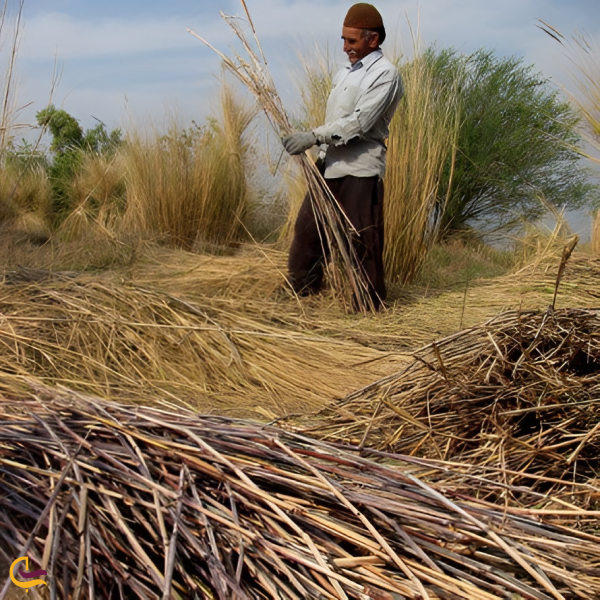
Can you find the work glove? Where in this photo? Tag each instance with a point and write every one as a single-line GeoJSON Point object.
{"type": "Point", "coordinates": [296, 143]}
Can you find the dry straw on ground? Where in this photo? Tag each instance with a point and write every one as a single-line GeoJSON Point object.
{"type": "Point", "coordinates": [248, 282]}
{"type": "Point", "coordinates": [518, 393]}
{"type": "Point", "coordinates": [137, 503]}
{"type": "Point", "coordinates": [120, 341]}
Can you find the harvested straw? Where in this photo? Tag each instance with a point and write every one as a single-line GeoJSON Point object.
{"type": "Point", "coordinates": [518, 393]}
{"type": "Point", "coordinates": [115, 502]}
{"type": "Point", "coordinates": [119, 341]}
{"type": "Point", "coordinates": [345, 272]}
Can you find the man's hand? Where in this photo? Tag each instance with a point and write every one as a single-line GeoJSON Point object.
{"type": "Point", "coordinates": [296, 143]}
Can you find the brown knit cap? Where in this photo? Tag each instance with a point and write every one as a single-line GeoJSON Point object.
{"type": "Point", "coordinates": [365, 16]}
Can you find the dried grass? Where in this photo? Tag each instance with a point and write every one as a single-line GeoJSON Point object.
{"type": "Point", "coordinates": [595, 241]}
{"type": "Point", "coordinates": [188, 187]}
{"type": "Point", "coordinates": [583, 52]}
{"type": "Point", "coordinates": [148, 504]}
{"type": "Point", "coordinates": [422, 138]}
{"type": "Point", "coordinates": [120, 341]}
{"type": "Point", "coordinates": [8, 108]}
{"type": "Point", "coordinates": [518, 393]}
{"type": "Point", "coordinates": [250, 281]}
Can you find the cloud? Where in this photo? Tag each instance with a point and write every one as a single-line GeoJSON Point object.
{"type": "Point", "coordinates": [50, 34]}
{"type": "Point", "coordinates": [153, 60]}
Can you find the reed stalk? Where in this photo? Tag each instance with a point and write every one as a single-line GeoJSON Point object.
{"type": "Point", "coordinates": [516, 393]}
{"type": "Point", "coordinates": [173, 504]}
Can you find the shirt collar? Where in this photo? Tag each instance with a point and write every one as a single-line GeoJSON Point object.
{"type": "Point", "coordinates": [367, 61]}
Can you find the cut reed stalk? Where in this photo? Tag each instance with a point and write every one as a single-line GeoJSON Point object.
{"type": "Point", "coordinates": [190, 506]}
{"type": "Point", "coordinates": [517, 393]}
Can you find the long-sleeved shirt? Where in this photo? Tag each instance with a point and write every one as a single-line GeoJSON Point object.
{"type": "Point", "coordinates": [359, 111]}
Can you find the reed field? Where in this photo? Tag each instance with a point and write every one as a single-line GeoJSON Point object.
{"type": "Point", "coordinates": [176, 423]}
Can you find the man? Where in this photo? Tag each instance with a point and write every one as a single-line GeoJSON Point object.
{"type": "Point", "coordinates": [362, 102]}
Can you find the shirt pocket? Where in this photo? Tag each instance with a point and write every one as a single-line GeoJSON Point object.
{"type": "Point", "coordinates": [348, 94]}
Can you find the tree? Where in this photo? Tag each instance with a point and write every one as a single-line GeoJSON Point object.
{"type": "Point", "coordinates": [69, 144]}
{"type": "Point", "coordinates": [515, 143]}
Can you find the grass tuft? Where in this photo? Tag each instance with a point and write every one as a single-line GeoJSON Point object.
{"type": "Point", "coordinates": [189, 186]}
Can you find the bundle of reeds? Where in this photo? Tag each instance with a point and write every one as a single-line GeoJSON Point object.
{"type": "Point", "coordinates": [119, 502]}
{"type": "Point", "coordinates": [346, 275]}
{"type": "Point", "coordinates": [518, 393]}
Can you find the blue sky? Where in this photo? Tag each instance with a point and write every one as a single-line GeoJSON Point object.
{"type": "Point", "coordinates": [134, 59]}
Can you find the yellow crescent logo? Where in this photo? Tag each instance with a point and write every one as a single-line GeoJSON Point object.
{"type": "Point", "coordinates": [26, 584]}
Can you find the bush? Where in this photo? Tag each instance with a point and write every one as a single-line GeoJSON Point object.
{"type": "Point", "coordinates": [516, 140]}
{"type": "Point", "coordinates": [69, 146]}
{"type": "Point", "coordinates": [189, 185]}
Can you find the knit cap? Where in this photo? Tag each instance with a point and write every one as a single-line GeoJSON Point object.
{"type": "Point", "coordinates": [365, 16]}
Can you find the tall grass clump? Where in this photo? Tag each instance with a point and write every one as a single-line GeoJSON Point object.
{"type": "Point", "coordinates": [71, 150]}
{"type": "Point", "coordinates": [189, 185]}
{"type": "Point", "coordinates": [584, 54]}
{"type": "Point", "coordinates": [25, 188]}
{"type": "Point", "coordinates": [97, 193]}
{"type": "Point", "coordinates": [422, 137]}
{"type": "Point", "coordinates": [315, 81]}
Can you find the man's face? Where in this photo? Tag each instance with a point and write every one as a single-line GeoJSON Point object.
{"type": "Point", "coordinates": [356, 46]}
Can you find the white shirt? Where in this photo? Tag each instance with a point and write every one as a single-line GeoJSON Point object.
{"type": "Point", "coordinates": [359, 111]}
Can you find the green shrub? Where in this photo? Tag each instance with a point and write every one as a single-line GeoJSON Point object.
{"type": "Point", "coordinates": [69, 146]}
{"type": "Point", "coordinates": [516, 141]}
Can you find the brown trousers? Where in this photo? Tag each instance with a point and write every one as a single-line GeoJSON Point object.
{"type": "Point", "coordinates": [361, 198]}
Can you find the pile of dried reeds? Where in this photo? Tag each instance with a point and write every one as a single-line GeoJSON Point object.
{"type": "Point", "coordinates": [121, 341]}
{"type": "Point", "coordinates": [344, 270]}
{"type": "Point", "coordinates": [115, 501]}
{"type": "Point", "coordinates": [518, 394]}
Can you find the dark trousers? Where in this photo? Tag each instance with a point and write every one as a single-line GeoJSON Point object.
{"type": "Point", "coordinates": [361, 198]}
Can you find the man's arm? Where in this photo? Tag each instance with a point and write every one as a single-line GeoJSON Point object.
{"type": "Point", "coordinates": [371, 105]}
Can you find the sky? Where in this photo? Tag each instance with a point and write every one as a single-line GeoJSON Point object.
{"type": "Point", "coordinates": [124, 60]}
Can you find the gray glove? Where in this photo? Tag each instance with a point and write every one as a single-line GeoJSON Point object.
{"type": "Point", "coordinates": [296, 143]}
